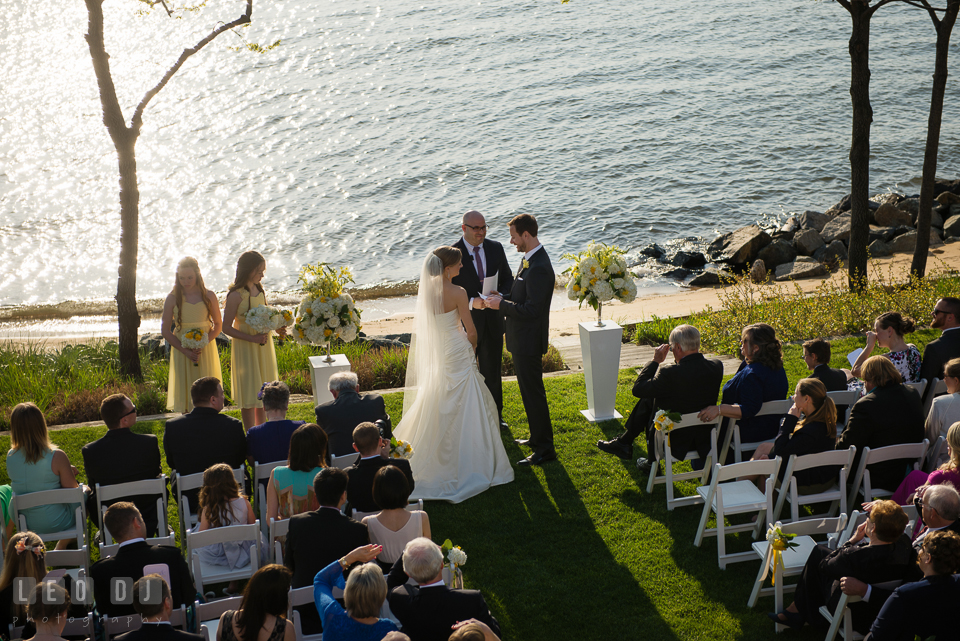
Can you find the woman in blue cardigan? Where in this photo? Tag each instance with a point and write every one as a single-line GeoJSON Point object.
{"type": "Point", "coordinates": [761, 378]}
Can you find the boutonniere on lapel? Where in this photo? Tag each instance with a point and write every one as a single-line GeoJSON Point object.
{"type": "Point", "coordinates": [524, 264]}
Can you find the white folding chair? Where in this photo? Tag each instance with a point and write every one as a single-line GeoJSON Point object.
{"type": "Point", "coordinates": [665, 454]}
{"type": "Point", "coordinates": [73, 495]}
{"type": "Point", "coordinates": [844, 398]}
{"type": "Point", "coordinates": [278, 530]}
{"type": "Point", "coordinates": [205, 633]}
{"type": "Point", "coordinates": [726, 496]}
{"type": "Point", "coordinates": [150, 487]}
{"type": "Point", "coordinates": [205, 573]}
{"type": "Point", "coordinates": [920, 386]}
{"type": "Point", "coordinates": [189, 482]}
{"type": "Point", "coordinates": [413, 505]}
{"type": "Point", "coordinates": [111, 550]}
{"type": "Point", "coordinates": [739, 448]}
{"type": "Point", "coordinates": [793, 558]}
{"type": "Point", "coordinates": [208, 614]}
{"type": "Point", "coordinates": [936, 388]}
{"type": "Point", "coordinates": [933, 457]}
{"type": "Point", "coordinates": [304, 596]}
{"type": "Point", "coordinates": [261, 472]}
{"type": "Point", "coordinates": [912, 451]}
{"type": "Point", "coordinates": [836, 495]}
{"type": "Point", "coordinates": [75, 562]}
{"type": "Point", "coordinates": [345, 461]}
{"type": "Point", "coordinates": [841, 615]}
{"type": "Point", "coordinates": [112, 626]}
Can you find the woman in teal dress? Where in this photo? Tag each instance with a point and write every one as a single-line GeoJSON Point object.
{"type": "Point", "coordinates": [35, 464]}
{"type": "Point", "coordinates": [290, 490]}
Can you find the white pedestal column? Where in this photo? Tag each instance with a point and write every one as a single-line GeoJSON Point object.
{"type": "Point", "coordinates": [320, 373]}
{"type": "Point", "coordinates": [601, 365]}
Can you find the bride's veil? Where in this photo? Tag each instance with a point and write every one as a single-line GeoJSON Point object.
{"type": "Point", "coordinates": [425, 360]}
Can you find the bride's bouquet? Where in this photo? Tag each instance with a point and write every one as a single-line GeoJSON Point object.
{"type": "Point", "coordinates": [264, 319]}
{"type": "Point", "coordinates": [400, 448]}
{"type": "Point", "coordinates": [326, 311]}
{"type": "Point", "coordinates": [599, 274]}
{"type": "Point", "coordinates": [194, 338]}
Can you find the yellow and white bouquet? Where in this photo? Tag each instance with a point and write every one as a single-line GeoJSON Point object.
{"type": "Point", "coordinates": [194, 338]}
{"type": "Point", "coordinates": [264, 319]}
{"type": "Point", "coordinates": [599, 274]}
{"type": "Point", "coordinates": [326, 312]}
{"type": "Point", "coordinates": [664, 421]}
{"type": "Point", "coordinates": [778, 542]}
{"type": "Point", "coordinates": [454, 557]}
{"type": "Point", "coordinates": [400, 448]}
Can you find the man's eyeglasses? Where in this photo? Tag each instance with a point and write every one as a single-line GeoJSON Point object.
{"type": "Point", "coordinates": [918, 503]}
{"type": "Point", "coordinates": [478, 228]}
{"type": "Point", "coordinates": [133, 410]}
{"type": "Point", "coordinates": [937, 312]}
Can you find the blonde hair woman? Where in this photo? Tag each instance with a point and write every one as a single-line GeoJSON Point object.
{"type": "Point", "coordinates": [946, 474]}
{"type": "Point", "coordinates": [190, 305]}
{"type": "Point", "coordinates": [363, 595]}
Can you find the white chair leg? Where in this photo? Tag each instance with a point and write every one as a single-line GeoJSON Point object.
{"type": "Point", "coordinates": [755, 593]}
{"type": "Point", "coordinates": [651, 478]}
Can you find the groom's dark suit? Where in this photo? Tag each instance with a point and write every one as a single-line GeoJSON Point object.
{"type": "Point", "coordinates": [527, 312]}
{"type": "Point", "coordinates": [489, 322]}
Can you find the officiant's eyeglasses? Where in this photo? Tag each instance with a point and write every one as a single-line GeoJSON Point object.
{"type": "Point", "coordinates": [477, 228]}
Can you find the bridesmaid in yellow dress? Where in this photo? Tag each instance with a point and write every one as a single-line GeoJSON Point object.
{"type": "Point", "coordinates": [253, 359]}
{"type": "Point", "coordinates": [190, 305]}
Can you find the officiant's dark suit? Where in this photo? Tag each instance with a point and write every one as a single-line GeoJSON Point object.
{"type": "Point", "coordinates": [489, 322]}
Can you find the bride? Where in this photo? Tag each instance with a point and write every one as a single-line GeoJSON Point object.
{"type": "Point", "coordinates": [449, 417]}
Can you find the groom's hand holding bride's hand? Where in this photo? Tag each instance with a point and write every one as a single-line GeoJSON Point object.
{"type": "Point", "coordinates": [492, 302]}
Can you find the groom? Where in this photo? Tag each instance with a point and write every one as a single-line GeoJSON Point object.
{"type": "Point", "coordinates": [483, 258]}
{"type": "Point", "coordinates": [527, 312]}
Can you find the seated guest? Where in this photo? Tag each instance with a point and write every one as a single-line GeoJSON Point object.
{"type": "Point", "coordinates": [222, 505]}
{"type": "Point", "coordinates": [34, 465]}
{"type": "Point", "coordinates": [121, 456]}
{"type": "Point", "coordinates": [428, 611]}
{"type": "Point", "coordinates": [48, 611]}
{"type": "Point", "coordinates": [878, 552]}
{"type": "Point", "coordinates": [686, 386]}
{"type": "Point", "coordinates": [263, 609]}
{"type": "Point", "coordinates": [471, 630]}
{"type": "Point", "coordinates": [315, 539]}
{"type": "Point", "coordinates": [922, 610]}
{"type": "Point", "coordinates": [270, 441]}
{"type": "Point", "coordinates": [363, 594]}
{"type": "Point", "coordinates": [945, 410]}
{"type": "Point", "coordinates": [946, 317]}
{"type": "Point", "coordinates": [23, 559]}
{"type": "Point", "coordinates": [816, 433]}
{"type": "Point", "coordinates": [816, 354]}
{"type": "Point", "coordinates": [949, 472]}
{"type": "Point", "coordinates": [204, 437]}
{"type": "Point", "coordinates": [126, 526]}
{"type": "Point", "coordinates": [368, 442]}
{"type": "Point", "coordinates": [347, 410]}
{"type": "Point", "coordinates": [761, 378]}
{"type": "Point", "coordinates": [155, 617]}
{"type": "Point", "coordinates": [290, 489]}
{"type": "Point", "coordinates": [889, 414]}
{"type": "Point", "coordinates": [888, 331]}
{"type": "Point", "coordinates": [394, 526]}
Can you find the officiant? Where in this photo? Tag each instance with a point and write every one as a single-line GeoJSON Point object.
{"type": "Point", "coordinates": [485, 259]}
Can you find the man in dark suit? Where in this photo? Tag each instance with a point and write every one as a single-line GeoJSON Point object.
{"type": "Point", "coordinates": [316, 539]}
{"type": "Point", "coordinates": [946, 316]}
{"type": "Point", "coordinates": [155, 616]}
{"type": "Point", "coordinates": [527, 312]}
{"type": "Point", "coordinates": [685, 387]}
{"type": "Point", "coordinates": [483, 258]}
{"type": "Point", "coordinates": [122, 457]}
{"type": "Point", "coordinates": [428, 611]}
{"type": "Point", "coordinates": [349, 408]}
{"type": "Point", "coordinates": [204, 437]}
{"type": "Point", "coordinates": [368, 442]}
{"type": "Point", "coordinates": [816, 354]}
{"type": "Point", "coordinates": [125, 524]}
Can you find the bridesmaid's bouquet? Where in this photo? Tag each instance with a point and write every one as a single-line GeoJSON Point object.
{"type": "Point", "coordinates": [599, 274]}
{"type": "Point", "coordinates": [264, 319]}
{"type": "Point", "coordinates": [326, 312]}
{"type": "Point", "coordinates": [194, 338]}
{"type": "Point", "coordinates": [400, 449]}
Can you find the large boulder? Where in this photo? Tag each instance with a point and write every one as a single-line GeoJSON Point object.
{"type": "Point", "coordinates": [740, 246]}
{"type": "Point", "coordinates": [688, 260]}
{"type": "Point", "coordinates": [952, 226]}
{"type": "Point", "coordinates": [807, 241]}
{"type": "Point", "coordinates": [654, 251]}
{"type": "Point", "coordinates": [904, 243]}
{"type": "Point", "coordinates": [845, 203]}
{"type": "Point", "coordinates": [711, 277]}
{"type": "Point", "coordinates": [803, 267]}
{"type": "Point", "coordinates": [679, 273]}
{"type": "Point", "coordinates": [881, 233]}
{"type": "Point", "coordinates": [777, 253]}
{"type": "Point", "coordinates": [890, 216]}
{"type": "Point", "coordinates": [832, 254]}
{"type": "Point", "coordinates": [910, 205]}
{"type": "Point", "coordinates": [836, 229]}
{"type": "Point", "coordinates": [948, 198]}
{"type": "Point", "coordinates": [879, 249]}
{"type": "Point", "coordinates": [813, 220]}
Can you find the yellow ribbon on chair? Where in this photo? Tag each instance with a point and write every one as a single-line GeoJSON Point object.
{"type": "Point", "coordinates": [777, 543]}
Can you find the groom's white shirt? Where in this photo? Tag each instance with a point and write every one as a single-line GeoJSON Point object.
{"type": "Point", "coordinates": [532, 252]}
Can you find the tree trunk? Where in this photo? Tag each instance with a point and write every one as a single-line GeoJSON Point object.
{"type": "Point", "coordinates": [944, 29]}
{"type": "Point", "coordinates": [859, 47]}
{"type": "Point", "coordinates": [128, 317]}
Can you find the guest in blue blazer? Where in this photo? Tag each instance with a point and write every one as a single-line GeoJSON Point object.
{"type": "Point", "coordinates": [761, 378]}
{"type": "Point", "coordinates": [925, 609]}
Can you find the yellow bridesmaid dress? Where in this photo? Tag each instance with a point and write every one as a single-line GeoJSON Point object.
{"type": "Point", "coordinates": [251, 364]}
{"type": "Point", "coordinates": [182, 370]}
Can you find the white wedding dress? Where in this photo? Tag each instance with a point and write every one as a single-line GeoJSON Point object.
{"type": "Point", "coordinates": [449, 417]}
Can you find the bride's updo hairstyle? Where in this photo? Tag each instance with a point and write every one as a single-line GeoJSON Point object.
{"type": "Point", "coordinates": [449, 256]}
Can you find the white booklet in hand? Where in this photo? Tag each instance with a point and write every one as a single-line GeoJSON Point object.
{"type": "Point", "coordinates": [489, 285]}
{"type": "Point", "coordinates": [854, 355]}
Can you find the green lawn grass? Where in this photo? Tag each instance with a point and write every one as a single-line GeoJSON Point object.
{"type": "Point", "coordinates": [577, 549]}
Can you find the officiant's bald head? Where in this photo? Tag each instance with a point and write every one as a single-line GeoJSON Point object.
{"type": "Point", "coordinates": [474, 227]}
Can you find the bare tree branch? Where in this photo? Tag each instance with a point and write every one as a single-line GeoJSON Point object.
{"type": "Point", "coordinates": [169, 13]}
{"type": "Point", "coordinates": [922, 4]}
{"type": "Point", "coordinates": [137, 120]}
{"type": "Point", "coordinates": [874, 8]}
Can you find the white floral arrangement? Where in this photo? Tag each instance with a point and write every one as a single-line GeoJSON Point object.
{"type": "Point", "coordinates": [453, 554]}
{"type": "Point", "coordinates": [264, 319]}
{"type": "Point", "coordinates": [400, 448]}
{"type": "Point", "coordinates": [778, 543]}
{"type": "Point", "coordinates": [664, 420]}
{"type": "Point", "coordinates": [599, 274]}
{"type": "Point", "coordinates": [326, 312]}
{"type": "Point", "coordinates": [194, 338]}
